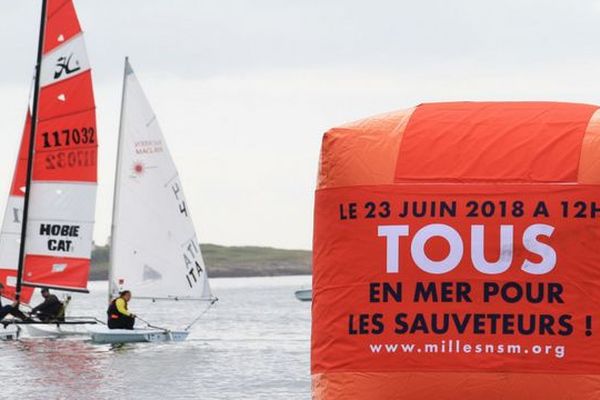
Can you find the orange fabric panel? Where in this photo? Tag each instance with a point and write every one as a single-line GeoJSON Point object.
{"type": "Point", "coordinates": [363, 152]}
{"type": "Point", "coordinates": [67, 148]}
{"type": "Point", "coordinates": [350, 254]}
{"type": "Point", "coordinates": [67, 97]}
{"type": "Point", "coordinates": [8, 277]}
{"type": "Point", "coordinates": [62, 24]}
{"type": "Point", "coordinates": [589, 165]}
{"type": "Point", "coordinates": [493, 142]}
{"type": "Point", "coordinates": [59, 272]}
{"type": "Point", "coordinates": [481, 196]}
{"type": "Point", "coordinates": [453, 386]}
{"type": "Point", "coordinates": [17, 187]}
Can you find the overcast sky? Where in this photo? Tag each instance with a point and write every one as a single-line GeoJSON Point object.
{"type": "Point", "coordinates": [244, 90]}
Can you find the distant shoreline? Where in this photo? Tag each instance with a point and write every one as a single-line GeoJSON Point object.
{"type": "Point", "coordinates": [230, 261]}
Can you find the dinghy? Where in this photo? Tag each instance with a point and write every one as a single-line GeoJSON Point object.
{"type": "Point", "coordinates": [303, 294]}
{"type": "Point", "coordinates": [46, 236]}
{"type": "Point", "coordinates": [154, 249]}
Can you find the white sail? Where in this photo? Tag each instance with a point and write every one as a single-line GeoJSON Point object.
{"type": "Point", "coordinates": [154, 249]}
{"type": "Point", "coordinates": [10, 233]}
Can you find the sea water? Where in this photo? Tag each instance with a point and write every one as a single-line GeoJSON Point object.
{"type": "Point", "coordinates": [254, 343]}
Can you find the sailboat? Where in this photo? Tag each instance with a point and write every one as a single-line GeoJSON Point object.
{"type": "Point", "coordinates": [46, 235]}
{"type": "Point", "coordinates": [154, 249]}
{"type": "Point", "coordinates": [303, 294]}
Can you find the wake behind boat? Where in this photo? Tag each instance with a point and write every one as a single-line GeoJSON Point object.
{"type": "Point", "coordinates": [154, 249]}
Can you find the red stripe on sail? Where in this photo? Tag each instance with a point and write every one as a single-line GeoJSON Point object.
{"type": "Point", "coordinates": [62, 24]}
{"type": "Point", "coordinates": [17, 188]}
{"type": "Point", "coordinates": [66, 97]}
{"type": "Point", "coordinates": [8, 277]}
{"type": "Point", "coordinates": [66, 149]}
{"type": "Point", "coordinates": [57, 272]}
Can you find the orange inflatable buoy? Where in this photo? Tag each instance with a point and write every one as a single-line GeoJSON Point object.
{"type": "Point", "coordinates": [456, 254]}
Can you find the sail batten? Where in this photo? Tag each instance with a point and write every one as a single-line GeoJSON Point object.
{"type": "Point", "coordinates": [154, 247]}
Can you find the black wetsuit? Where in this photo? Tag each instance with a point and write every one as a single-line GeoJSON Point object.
{"type": "Point", "coordinates": [117, 320]}
{"type": "Point", "coordinates": [49, 310]}
{"type": "Point", "coordinates": [9, 309]}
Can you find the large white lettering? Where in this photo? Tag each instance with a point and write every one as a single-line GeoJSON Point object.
{"type": "Point", "coordinates": [530, 240]}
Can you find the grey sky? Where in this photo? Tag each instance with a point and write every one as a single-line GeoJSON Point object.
{"type": "Point", "coordinates": [244, 89]}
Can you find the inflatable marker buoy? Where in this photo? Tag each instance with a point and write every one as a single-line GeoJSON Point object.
{"type": "Point", "coordinates": [456, 254]}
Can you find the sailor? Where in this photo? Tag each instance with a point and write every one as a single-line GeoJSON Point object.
{"type": "Point", "coordinates": [12, 309]}
{"type": "Point", "coordinates": [118, 315]}
{"type": "Point", "coordinates": [51, 309]}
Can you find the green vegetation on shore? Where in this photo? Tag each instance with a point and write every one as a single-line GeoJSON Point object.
{"type": "Point", "coordinates": [225, 261]}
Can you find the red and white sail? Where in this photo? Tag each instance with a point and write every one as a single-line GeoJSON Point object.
{"type": "Point", "coordinates": [63, 187]}
{"type": "Point", "coordinates": [10, 234]}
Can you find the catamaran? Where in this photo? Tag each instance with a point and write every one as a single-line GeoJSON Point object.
{"type": "Point", "coordinates": [154, 248]}
{"type": "Point", "coordinates": [46, 235]}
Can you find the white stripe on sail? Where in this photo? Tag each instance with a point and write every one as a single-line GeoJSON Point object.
{"type": "Point", "coordinates": [61, 224]}
{"type": "Point", "coordinates": [72, 201]}
{"type": "Point", "coordinates": [65, 61]}
{"type": "Point", "coordinates": [9, 250]}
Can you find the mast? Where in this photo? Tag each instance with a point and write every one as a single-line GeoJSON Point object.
{"type": "Point", "coordinates": [127, 70]}
{"type": "Point", "coordinates": [34, 118]}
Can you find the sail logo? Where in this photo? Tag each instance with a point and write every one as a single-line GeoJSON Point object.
{"type": "Point", "coordinates": [61, 236]}
{"type": "Point", "coordinates": [59, 267]}
{"type": "Point", "coordinates": [139, 168]}
{"type": "Point", "coordinates": [149, 146]}
{"type": "Point", "coordinates": [17, 212]}
{"type": "Point", "coordinates": [64, 65]}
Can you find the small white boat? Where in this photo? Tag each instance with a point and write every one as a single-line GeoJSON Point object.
{"type": "Point", "coordinates": [304, 294]}
{"type": "Point", "coordinates": [154, 249]}
{"type": "Point", "coordinates": [104, 335]}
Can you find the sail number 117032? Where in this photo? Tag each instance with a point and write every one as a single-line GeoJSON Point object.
{"type": "Point", "coordinates": [68, 137]}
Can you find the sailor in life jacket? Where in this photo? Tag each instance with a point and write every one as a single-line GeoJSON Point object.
{"type": "Point", "coordinates": [118, 315]}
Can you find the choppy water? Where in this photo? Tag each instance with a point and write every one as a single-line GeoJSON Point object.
{"type": "Point", "coordinates": [253, 344]}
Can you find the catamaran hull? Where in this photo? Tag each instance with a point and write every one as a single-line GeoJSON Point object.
{"type": "Point", "coordinates": [9, 334]}
{"type": "Point", "coordinates": [113, 336]}
{"type": "Point", "coordinates": [53, 331]}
